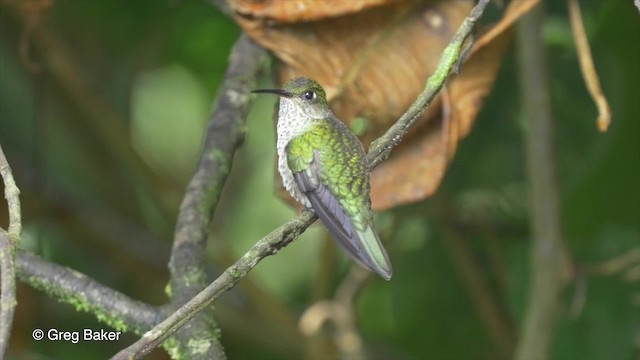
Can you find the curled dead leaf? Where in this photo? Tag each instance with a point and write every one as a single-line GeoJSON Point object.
{"type": "Point", "coordinates": [373, 60]}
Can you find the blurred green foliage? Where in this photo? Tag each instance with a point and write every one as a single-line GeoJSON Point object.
{"type": "Point", "coordinates": [157, 65]}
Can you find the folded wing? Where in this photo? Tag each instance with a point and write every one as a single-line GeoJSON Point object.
{"type": "Point", "coordinates": [360, 242]}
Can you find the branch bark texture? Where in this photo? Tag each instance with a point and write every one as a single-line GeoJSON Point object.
{"type": "Point", "coordinates": [548, 256]}
{"type": "Point", "coordinates": [8, 241]}
{"type": "Point", "coordinates": [7, 290]}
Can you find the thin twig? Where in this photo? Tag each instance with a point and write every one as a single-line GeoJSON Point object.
{"type": "Point", "coordinates": [614, 265]}
{"type": "Point", "coordinates": [586, 65]}
{"type": "Point", "coordinates": [111, 307]}
{"type": "Point", "coordinates": [341, 313]}
{"type": "Point", "coordinates": [288, 232]}
{"type": "Point", "coordinates": [549, 259]}
{"type": "Point", "coordinates": [8, 242]}
{"type": "Point", "coordinates": [626, 264]}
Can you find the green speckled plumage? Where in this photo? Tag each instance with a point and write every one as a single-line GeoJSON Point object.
{"type": "Point", "coordinates": [323, 166]}
{"type": "Point", "coordinates": [342, 166]}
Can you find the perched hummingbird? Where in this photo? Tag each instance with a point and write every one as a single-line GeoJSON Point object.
{"type": "Point", "coordinates": [323, 166]}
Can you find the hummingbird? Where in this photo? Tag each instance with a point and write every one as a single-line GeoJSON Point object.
{"type": "Point", "coordinates": [323, 166]}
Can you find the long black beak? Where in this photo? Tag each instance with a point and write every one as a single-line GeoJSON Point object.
{"type": "Point", "coordinates": [278, 92]}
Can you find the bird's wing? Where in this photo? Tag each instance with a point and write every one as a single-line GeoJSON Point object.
{"type": "Point", "coordinates": [360, 242]}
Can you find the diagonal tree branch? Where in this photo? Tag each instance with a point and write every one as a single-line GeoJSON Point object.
{"type": "Point", "coordinates": [288, 232]}
{"type": "Point", "coordinates": [111, 307]}
{"type": "Point", "coordinates": [225, 134]}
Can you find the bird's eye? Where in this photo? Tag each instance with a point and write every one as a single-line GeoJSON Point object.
{"type": "Point", "coordinates": [309, 95]}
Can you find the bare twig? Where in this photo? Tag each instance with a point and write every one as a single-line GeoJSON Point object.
{"type": "Point", "coordinates": [548, 255]}
{"type": "Point", "coordinates": [586, 65]}
{"type": "Point", "coordinates": [626, 264]}
{"type": "Point", "coordinates": [340, 312]}
{"type": "Point", "coordinates": [286, 233]}
{"type": "Point", "coordinates": [614, 265]}
{"type": "Point", "coordinates": [8, 242]}
{"type": "Point", "coordinates": [111, 307]}
{"type": "Point", "coordinates": [514, 11]}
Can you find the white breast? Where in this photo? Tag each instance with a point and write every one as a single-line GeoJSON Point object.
{"type": "Point", "coordinates": [291, 123]}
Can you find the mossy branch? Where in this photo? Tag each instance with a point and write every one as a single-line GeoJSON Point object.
{"type": "Point", "coordinates": [69, 286]}
{"type": "Point", "coordinates": [288, 232]}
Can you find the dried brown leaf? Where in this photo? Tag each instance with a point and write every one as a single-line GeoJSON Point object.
{"type": "Point", "coordinates": [374, 62]}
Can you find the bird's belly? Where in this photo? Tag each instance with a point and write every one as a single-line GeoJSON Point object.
{"type": "Point", "coordinates": [289, 183]}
